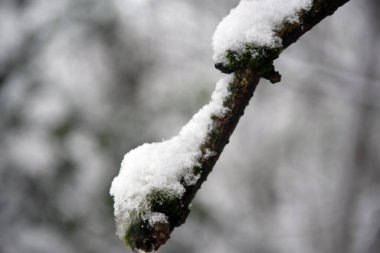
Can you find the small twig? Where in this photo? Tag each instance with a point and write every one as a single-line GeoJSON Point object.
{"type": "Point", "coordinates": [241, 89]}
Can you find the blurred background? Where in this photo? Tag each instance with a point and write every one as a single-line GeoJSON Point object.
{"type": "Point", "coordinates": [82, 82]}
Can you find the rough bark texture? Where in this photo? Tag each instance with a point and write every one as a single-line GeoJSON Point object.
{"type": "Point", "coordinates": [246, 78]}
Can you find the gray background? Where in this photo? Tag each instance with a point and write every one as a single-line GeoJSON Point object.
{"type": "Point", "coordinates": [82, 82]}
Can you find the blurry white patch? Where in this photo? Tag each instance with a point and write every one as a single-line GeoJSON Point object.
{"type": "Point", "coordinates": [32, 152]}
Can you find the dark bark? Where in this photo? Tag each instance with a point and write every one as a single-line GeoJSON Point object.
{"type": "Point", "coordinates": [320, 10]}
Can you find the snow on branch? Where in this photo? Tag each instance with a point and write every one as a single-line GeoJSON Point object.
{"type": "Point", "coordinates": [153, 175]}
{"type": "Point", "coordinates": [252, 27]}
{"type": "Point", "coordinates": [157, 181]}
{"type": "Point", "coordinates": [257, 31]}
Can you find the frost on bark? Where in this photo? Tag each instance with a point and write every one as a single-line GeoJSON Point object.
{"type": "Point", "coordinates": [148, 225]}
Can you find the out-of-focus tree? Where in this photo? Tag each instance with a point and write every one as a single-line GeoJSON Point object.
{"type": "Point", "coordinates": [82, 82]}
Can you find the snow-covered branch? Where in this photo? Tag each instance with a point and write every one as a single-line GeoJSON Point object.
{"type": "Point", "coordinates": [256, 32]}
{"type": "Point", "coordinates": [158, 181]}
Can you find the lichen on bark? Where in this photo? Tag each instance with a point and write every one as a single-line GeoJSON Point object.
{"type": "Point", "coordinates": [145, 235]}
{"type": "Point", "coordinates": [253, 57]}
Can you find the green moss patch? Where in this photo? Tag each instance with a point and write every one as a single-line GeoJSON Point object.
{"type": "Point", "coordinates": [253, 57]}
{"type": "Point", "coordinates": [168, 203]}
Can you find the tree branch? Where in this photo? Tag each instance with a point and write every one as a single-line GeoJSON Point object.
{"type": "Point", "coordinates": [247, 73]}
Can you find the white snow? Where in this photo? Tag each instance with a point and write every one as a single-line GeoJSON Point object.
{"type": "Point", "coordinates": [161, 166]}
{"type": "Point", "coordinates": [155, 217]}
{"type": "Point", "coordinates": [209, 153]}
{"type": "Point", "coordinates": [254, 22]}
